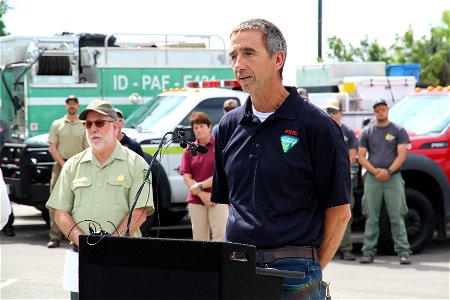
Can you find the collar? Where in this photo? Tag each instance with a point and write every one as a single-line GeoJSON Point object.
{"type": "Point", "coordinates": [118, 153]}
{"type": "Point", "coordinates": [211, 141]}
{"type": "Point", "coordinates": [66, 119]}
{"type": "Point", "coordinates": [287, 110]}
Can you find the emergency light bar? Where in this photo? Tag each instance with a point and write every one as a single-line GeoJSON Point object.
{"type": "Point", "coordinates": [215, 84]}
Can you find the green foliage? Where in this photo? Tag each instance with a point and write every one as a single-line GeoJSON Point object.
{"type": "Point", "coordinates": [433, 52]}
{"type": "Point", "coordinates": [3, 9]}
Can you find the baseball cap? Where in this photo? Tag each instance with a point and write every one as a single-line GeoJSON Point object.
{"type": "Point", "coordinates": [333, 103]}
{"type": "Point", "coordinates": [378, 101]}
{"type": "Point", "coordinates": [119, 113]}
{"type": "Point", "coordinates": [102, 107]}
{"type": "Point", "coordinates": [72, 97]}
{"type": "Point", "coordinates": [230, 103]}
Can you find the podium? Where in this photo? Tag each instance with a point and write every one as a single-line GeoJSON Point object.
{"type": "Point", "coordinates": [151, 268]}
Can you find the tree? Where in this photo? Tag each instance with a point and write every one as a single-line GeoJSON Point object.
{"type": "Point", "coordinates": [3, 9]}
{"type": "Point", "coordinates": [432, 53]}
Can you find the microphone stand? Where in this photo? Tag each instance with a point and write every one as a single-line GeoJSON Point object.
{"type": "Point", "coordinates": [127, 232]}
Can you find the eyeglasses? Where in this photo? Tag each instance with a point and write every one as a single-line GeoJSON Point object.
{"type": "Point", "coordinates": [380, 109]}
{"type": "Point", "coordinates": [98, 123]}
{"type": "Point", "coordinates": [332, 111]}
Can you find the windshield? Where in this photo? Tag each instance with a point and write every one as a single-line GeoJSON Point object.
{"type": "Point", "coordinates": [139, 114]}
{"type": "Point", "coordinates": [422, 114]}
{"type": "Point", "coordinates": [158, 111]}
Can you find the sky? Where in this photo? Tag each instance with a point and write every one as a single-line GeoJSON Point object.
{"type": "Point", "coordinates": [350, 20]}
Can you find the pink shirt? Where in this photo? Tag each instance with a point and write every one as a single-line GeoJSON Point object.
{"type": "Point", "coordinates": [201, 167]}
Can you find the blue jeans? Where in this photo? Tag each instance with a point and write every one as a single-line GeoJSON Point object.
{"type": "Point", "coordinates": [310, 287]}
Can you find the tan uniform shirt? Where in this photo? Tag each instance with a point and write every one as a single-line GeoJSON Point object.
{"type": "Point", "coordinates": [69, 137]}
{"type": "Point", "coordinates": [100, 194]}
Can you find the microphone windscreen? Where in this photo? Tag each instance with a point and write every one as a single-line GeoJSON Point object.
{"type": "Point", "coordinates": [193, 152]}
{"type": "Point", "coordinates": [202, 149]}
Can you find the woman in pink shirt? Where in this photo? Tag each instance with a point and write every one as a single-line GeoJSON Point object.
{"type": "Point", "coordinates": [208, 219]}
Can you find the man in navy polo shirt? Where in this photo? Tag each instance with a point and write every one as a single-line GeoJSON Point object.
{"type": "Point", "coordinates": [283, 166]}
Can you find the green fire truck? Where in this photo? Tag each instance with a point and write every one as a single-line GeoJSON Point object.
{"type": "Point", "coordinates": [129, 70]}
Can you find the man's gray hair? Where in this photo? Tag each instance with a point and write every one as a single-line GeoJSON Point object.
{"type": "Point", "coordinates": [273, 38]}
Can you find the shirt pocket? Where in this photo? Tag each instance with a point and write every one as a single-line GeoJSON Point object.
{"type": "Point", "coordinates": [118, 187]}
{"type": "Point", "coordinates": [81, 188]}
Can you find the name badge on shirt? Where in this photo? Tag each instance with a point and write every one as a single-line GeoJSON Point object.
{"type": "Point", "coordinates": [120, 178]}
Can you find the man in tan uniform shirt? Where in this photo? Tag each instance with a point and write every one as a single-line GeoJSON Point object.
{"type": "Point", "coordinates": [97, 187]}
{"type": "Point", "coordinates": [66, 138]}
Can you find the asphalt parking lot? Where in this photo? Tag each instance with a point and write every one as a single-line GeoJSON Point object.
{"type": "Point", "coordinates": [29, 270]}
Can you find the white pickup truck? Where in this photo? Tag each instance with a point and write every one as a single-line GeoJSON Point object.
{"type": "Point", "coordinates": [169, 112]}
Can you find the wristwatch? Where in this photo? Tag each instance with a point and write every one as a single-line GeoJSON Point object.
{"type": "Point", "coordinates": [389, 172]}
{"type": "Point", "coordinates": [200, 185]}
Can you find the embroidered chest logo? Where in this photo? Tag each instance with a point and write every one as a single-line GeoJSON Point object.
{"type": "Point", "coordinates": [389, 137]}
{"type": "Point", "coordinates": [288, 142]}
{"type": "Point", "coordinates": [145, 174]}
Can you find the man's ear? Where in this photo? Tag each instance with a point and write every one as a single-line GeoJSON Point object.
{"type": "Point", "coordinates": [279, 60]}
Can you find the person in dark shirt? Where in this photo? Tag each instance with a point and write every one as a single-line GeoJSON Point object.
{"type": "Point", "coordinates": [282, 165]}
{"type": "Point", "coordinates": [385, 143]}
{"type": "Point", "coordinates": [334, 110]}
{"type": "Point", "coordinates": [124, 139]}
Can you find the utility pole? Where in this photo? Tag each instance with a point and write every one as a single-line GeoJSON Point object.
{"type": "Point", "coordinates": [319, 30]}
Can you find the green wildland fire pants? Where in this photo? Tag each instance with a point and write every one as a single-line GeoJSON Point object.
{"type": "Point", "coordinates": [346, 243]}
{"type": "Point", "coordinates": [393, 193]}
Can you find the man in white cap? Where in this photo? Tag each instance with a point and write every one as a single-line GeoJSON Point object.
{"type": "Point", "coordinates": [334, 110]}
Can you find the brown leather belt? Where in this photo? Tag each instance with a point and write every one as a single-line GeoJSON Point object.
{"type": "Point", "coordinates": [269, 255]}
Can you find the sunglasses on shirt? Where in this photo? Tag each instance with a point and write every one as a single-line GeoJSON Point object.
{"type": "Point", "coordinates": [98, 123]}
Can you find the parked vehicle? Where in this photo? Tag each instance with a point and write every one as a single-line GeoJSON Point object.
{"type": "Point", "coordinates": [28, 166]}
{"type": "Point", "coordinates": [129, 70]}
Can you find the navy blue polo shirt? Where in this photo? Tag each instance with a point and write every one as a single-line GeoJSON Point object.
{"type": "Point", "coordinates": [280, 175]}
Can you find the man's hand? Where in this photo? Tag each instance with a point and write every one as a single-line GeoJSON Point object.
{"type": "Point", "coordinates": [382, 175]}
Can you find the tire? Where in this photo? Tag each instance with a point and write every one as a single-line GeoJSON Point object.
{"type": "Point", "coordinates": [420, 224]}
{"type": "Point", "coordinates": [164, 215]}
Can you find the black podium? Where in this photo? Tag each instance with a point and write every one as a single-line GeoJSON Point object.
{"type": "Point", "coordinates": [149, 268]}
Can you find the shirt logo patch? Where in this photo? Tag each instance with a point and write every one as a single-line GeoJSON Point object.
{"type": "Point", "coordinates": [120, 178]}
{"type": "Point", "coordinates": [145, 174]}
{"type": "Point", "coordinates": [389, 137]}
{"type": "Point", "coordinates": [288, 142]}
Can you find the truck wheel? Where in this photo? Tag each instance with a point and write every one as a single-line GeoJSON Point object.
{"type": "Point", "coordinates": [420, 223]}
{"type": "Point", "coordinates": [162, 196]}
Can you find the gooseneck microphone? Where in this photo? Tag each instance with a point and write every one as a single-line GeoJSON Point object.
{"type": "Point", "coordinates": [192, 147]}
{"type": "Point", "coordinates": [184, 143]}
{"type": "Point", "coordinates": [127, 232]}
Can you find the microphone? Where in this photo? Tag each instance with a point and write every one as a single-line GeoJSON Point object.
{"type": "Point", "coordinates": [192, 147]}
{"type": "Point", "coordinates": [184, 143]}
{"type": "Point", "coordinates": [202, 149]}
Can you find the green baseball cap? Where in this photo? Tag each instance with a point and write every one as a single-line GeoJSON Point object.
{"type": "Point", "coordinates": [102, 107]}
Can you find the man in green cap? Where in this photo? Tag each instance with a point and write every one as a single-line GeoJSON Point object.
{"type": "Point", "coordinates": [97, 186]}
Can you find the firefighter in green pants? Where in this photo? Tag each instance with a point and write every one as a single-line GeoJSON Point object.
{"type": "Point", "coordinates": [385, 142]}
